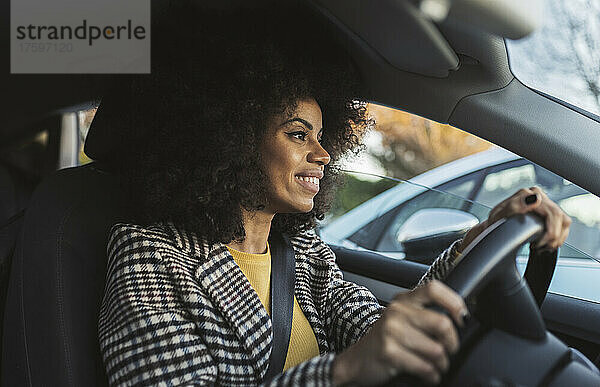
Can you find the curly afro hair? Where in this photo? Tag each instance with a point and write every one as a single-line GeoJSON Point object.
{"type": "Point", "coordinates": [217, 78]}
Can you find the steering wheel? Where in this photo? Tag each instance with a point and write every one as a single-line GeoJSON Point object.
{"type": "Point", "coordinates": [488, 268]}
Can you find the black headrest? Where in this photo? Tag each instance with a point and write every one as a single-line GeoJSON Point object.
{"type": "Point", "coordinates": [111, 132]}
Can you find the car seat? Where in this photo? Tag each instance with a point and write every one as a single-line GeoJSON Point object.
{"type": "Point", "coordinates": [57, 279]}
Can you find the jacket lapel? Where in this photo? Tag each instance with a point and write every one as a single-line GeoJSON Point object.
{"type": "Point", "coordinates": [311, 275]}
{"type": "Point", "coordinates": [231, 292]}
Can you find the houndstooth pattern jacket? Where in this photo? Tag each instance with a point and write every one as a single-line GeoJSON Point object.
{"type": "Point", "coordinates": [177, 311]}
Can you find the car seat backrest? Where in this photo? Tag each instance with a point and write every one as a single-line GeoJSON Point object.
{"type": "Point", "coordinates": [57, 281]}
{"type": "Point", "coordinates": [9, 230]}
{"type": "Point", "coordinates": [13, 194]}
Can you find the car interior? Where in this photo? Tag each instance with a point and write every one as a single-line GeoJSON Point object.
{"type": "Point", "coordinates": [453, 69]}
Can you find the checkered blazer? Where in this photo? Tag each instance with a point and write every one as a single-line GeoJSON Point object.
{"type": "Point", "coordinates": [177, 311]}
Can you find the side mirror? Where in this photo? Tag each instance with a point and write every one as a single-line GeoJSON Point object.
{"type": "Point", "coordinates": [427, 232]}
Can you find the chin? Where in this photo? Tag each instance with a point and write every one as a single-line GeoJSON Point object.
{"type": "Point", "coordinates": [288, 206]}
{"type": "Point", "coordinates": [301, 207]}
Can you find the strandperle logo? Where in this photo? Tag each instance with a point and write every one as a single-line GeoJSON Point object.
{"type": "Point", "coordinates": [90, 33]}
{"type": "Point", "coordinates": [80, 37]}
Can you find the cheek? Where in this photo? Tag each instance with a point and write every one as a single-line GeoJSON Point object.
{"type": "Point", "coordinates": [280, 161]}
{"type": "Point", "coordinates": [278, 175]}
{"type": "Point", "coordinates": [283, 179]}
{"type": "Point", "coordinates": [281, 167]}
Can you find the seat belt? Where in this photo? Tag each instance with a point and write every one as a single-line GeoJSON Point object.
{"type": "Point", "coordinates": [283, 278]}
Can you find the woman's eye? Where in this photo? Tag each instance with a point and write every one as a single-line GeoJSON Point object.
{"type": "Point", "coordinates": [299, 135]}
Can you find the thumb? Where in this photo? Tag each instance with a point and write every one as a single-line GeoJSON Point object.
{"type": "Point", "coordinates": [530, 200]}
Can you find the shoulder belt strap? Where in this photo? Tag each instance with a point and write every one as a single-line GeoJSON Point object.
{"type": "Point", "coordinates": [283, 277]}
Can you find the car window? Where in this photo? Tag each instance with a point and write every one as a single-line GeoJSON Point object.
{"type": "Point", "coordinates": [582, 206]}
{"type": "Point", "coordinates": [504, 181]}
{"type": "Point", "coordinates": [85, 118]}
{"type": "Point", "coordinates": [453, 195]}
{"type": "Point", "coordinates": [422, 226]}
{"type": "Point", "coordinates": [416, 218]}
{"type": "Point", "coordinates": [561, 58]}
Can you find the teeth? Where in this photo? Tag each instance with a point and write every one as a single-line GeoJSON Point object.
{"type": "Point", "coordinates": [313, 180]}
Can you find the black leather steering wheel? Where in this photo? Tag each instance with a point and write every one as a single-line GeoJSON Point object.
{"type": "Point", "coordinates": [488, 268]}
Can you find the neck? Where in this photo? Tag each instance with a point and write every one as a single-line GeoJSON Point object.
{"type": "Point", "coordinates": [257, 225]}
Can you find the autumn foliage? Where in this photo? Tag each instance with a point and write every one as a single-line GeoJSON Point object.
{"type": "Point", "coordinates": [412, 145]}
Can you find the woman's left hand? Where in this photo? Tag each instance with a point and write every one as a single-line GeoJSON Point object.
{"type": "Point", "coordinates": [528, 200]}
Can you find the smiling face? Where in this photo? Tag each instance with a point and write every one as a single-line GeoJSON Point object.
{"type": "Point", "coordinates": [294, 159]}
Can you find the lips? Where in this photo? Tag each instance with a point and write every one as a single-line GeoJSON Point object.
{"type": "Point", "coordinates": [309, 180]}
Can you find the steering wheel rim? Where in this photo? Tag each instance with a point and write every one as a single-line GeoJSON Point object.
{"type": "Point", "coordinates": [496, 245]}
{"type": "Point", "coordinates": [488, 263]}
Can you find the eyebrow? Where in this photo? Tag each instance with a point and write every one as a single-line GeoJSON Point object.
{"type": "Point", "coordinates": [301, 120]}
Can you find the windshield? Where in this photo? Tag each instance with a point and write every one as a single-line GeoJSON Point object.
{"type": "Point", "coordinates": [406, 219]}
{"type": "Point", "coordinates": [562, 58]}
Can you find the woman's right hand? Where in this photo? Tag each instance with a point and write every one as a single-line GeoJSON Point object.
{"type": "Point", "coordinates": [408, 338]}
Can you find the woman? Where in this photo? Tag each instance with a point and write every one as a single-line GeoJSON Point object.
{"type": "Point", "coordinates": [244, 139]}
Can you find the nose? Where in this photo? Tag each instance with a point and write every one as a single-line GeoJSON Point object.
{"type": "Point", "coordinates": [319, 155]}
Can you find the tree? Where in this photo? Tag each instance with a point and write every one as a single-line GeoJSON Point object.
{"type": "Point", "coordinates": [581, 21]}
{"type": "Point", "coordinates": [412, 145]}
{"type": "Point", "coordinates": [563, 57]}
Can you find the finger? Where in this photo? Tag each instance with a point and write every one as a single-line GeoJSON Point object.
{"type": "Point", "coordinates": [414, 339]}
{"type": "Point", "coordinates": [520, 202]}
{"type": "Point", "coordinates": [564, 233]}
{"type": "Point", "coordinates": [400, 334]}
{"type": "Point", "coordinates": [436, 292]}
{"type": "Point", "coordinates": [503, 208]}
{"type": "Point", "coordinates": [528, 199]}
{"type": "Point", "coordinates": [562, 239]}
{"type": "Point", "coordinates": [551, 214]}
{"type": "Point", "coordinates": [411, 363]}
{"type": "Point", "coordinates": [553, 229]}
{"type": "Point", "coordinates": [534, 197]}
{"type": "Point", "coordinates": [438, 326]}
{"type": "Point", "coordinates": [553, 220]}
{"type": "Point", "coordinates": [566, 228]}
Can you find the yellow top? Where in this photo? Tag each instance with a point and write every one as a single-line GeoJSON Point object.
{"type": "Point", "coordinates": [257, 268]}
